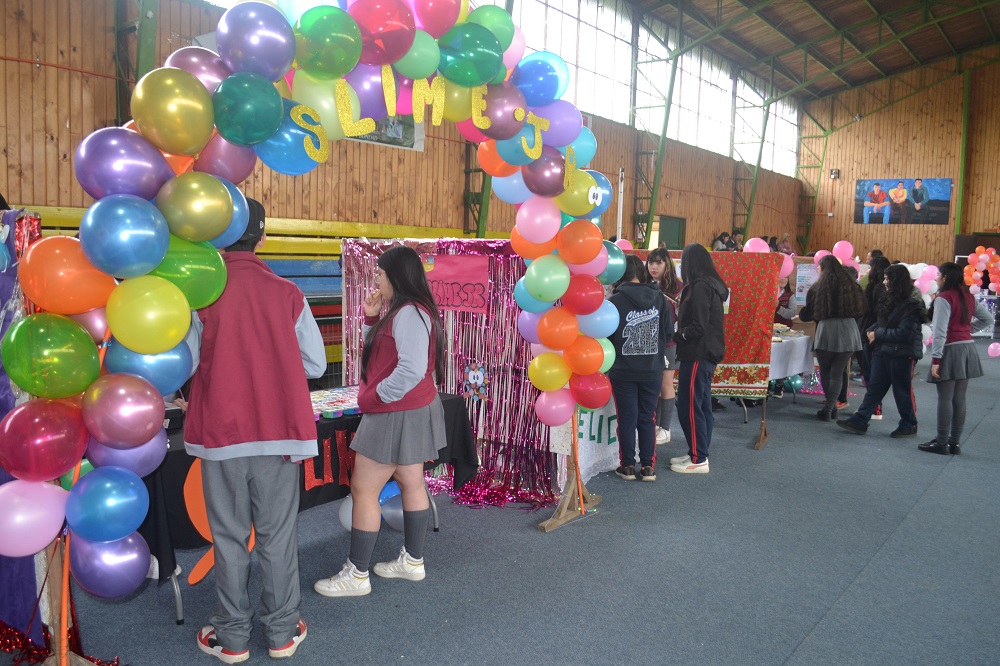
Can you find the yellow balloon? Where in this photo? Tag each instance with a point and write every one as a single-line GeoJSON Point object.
{"type": "Point", "coordinates": [457, 102]}
{"type": "Point", "coordinates": [173, 110]}
{"type": "Point", "coordinates": [575, 200]}
{"type": "Point", "coordinates": [548, 372]}
{"type": "Point", "coordinates": [463, 14]}
{"type": "Point", "coordinates": [321, 95]}
{"type": "Point", "coordinates": [198, 207]}
{"type": "Point", "coordinates": [148, 314]}
{"type": "Point", "coordinates": [281, 85]}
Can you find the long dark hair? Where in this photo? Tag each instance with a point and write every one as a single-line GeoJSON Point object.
{"type": "Point", "coordinates": [954, 279]}
{"type": "Point", "coordinates": [878, 265]}
{"type": "Point", "coordinates": [697, 264]}
{"type": "Point", "coordinates": [668, 283]}
{"type": "Point", "coordinates": [836, 294]}
{"type": "Point", "coordinates": [406, 274]}
{"type": "Point", "coordinates": [634, 271]}
{"type": "Point", "coordinates": [900, 290]}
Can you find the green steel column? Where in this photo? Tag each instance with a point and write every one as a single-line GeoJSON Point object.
{"type": "Point", "coordinates": [760, 155]}
{"type": "Point", "coordinates": [145, 52]}
{"type": "Point", "coordinates": [966, 95]}
{"type": "Point", "coordinates": [484, 206]}
{"type": "Point", "coordinates": [658, 172]}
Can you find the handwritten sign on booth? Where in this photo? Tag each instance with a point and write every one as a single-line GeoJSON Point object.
{"type": "Point", "coordinates": [458, 282]}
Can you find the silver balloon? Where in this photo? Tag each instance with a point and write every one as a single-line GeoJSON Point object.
{"type": "Point", "coordinates": [392, 512]}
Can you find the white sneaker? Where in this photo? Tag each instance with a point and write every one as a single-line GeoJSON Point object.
{"type": "Point", "coordinates": [691, 468]}
{"type": "Point", "coordinates": [662, 436]}
{"type": "Point", "coordinates": [680, 460]}
{"type": "Point", "coordinates": [403, 566]}
{"type": "Point", "coordinates": [348, 583]}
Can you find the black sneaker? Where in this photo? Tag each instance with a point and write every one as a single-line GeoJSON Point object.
{"type": "Point", "coordinates": [778, 392]}
{"type": "Point", "coordinates": [717, 406]}
{"type": "Point", "coordinates": [954, 448]}
{"type": "Point", "coordinates": [627, 473]}
{"type": "Point", "coordinates": [647, 473]}
{"type": "Point", "coordinates": [903, 432]}
{"type": "Point", "coordinates": [933, 446]}
{"type": "Point", "coordinates": [853, 426]}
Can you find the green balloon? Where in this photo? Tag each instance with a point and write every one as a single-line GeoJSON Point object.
{"type": "Point", "coordinates": [616, 264]}
{"type": "Point", "coordinates": [609, 354]}
{"type": "Point", "coordinates": [66, 480]}
{"type": "Point", "coordinates": [327, 42]}
{"type": "Point", "coordinates": [497, 21]}
{"type": "Point", "coordinates": [197, 269]}
{"type": "Point", "coordinates": [422, 59]}
{"type": "Point", "coordinates": [470, 55]}
{"type": "Point", "coordinates": [248, 108]}
{"type": "Point", "coordinates": [50, 356]}
{"type": "Point", "coordinates": [547, 278]}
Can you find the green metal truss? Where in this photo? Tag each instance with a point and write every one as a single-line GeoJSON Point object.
{"type": "Point", "coordinates": [751, 111]}
{"type": "Point", "coordinates": [143, 31]}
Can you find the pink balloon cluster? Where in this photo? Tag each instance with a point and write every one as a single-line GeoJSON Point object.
{"type": "Point", "coordinates": [843, 250]}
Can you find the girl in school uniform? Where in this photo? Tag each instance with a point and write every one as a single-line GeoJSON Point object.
{"type": "Point", "coordinates": [664, 274]}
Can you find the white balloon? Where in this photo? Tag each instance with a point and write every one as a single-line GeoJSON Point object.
{"type": "Point", "coordinates": [346, 511]}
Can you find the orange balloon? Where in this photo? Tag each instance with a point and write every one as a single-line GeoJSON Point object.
{"type": "Point", "coordinates": [584, 356]}
{"type": "Point", "coordinates": [558, 328]}
{"type": "Point", "coordinates": [57, 277]}
{"type": "Point", "coordinates": [492, 163]}
{"type": "Point", "coordinates": [179, 163]}
{"type": "Point", "coordinates": [579, 242]}
{"type": "Point", "coordinates": [130, 125]}
{"type": "Point", "coordinates": [980, 249]}
{"type": "Point", "coordinates": [530, 250]}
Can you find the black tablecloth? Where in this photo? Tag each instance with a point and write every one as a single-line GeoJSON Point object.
{"type": "Point", "coordinates": [324, 478]}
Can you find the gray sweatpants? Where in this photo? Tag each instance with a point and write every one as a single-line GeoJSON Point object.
{"type": "Point", "coordinates": [262, 491]}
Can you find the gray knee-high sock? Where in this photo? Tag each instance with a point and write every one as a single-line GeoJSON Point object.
{"type": "Point", "coordinates": [362, 547]}
{"type": "Point", "coordinates": [414, 531]}
{"type": "Point", "coordinates": [665, 413]}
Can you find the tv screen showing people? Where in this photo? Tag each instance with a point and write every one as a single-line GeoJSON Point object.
{"type": "Point", "coordinates": [902, 201]}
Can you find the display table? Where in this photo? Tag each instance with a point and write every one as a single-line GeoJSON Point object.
{"type": "Point", "coordinates": [791, 356]}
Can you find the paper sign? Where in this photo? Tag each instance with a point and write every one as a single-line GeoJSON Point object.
{"type": "Point", "coordinates": [458, 282]}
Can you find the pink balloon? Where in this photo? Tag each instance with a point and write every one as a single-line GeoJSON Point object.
{"type": "Point", "coordinates": [975, 289]}
{"type": "Point", "coordinates": [819, 255]}
{"type": "Point", "coordinates": [435, 16]}
{"type": "Point", "coordinates": [993, 350]}
{"type": "Point", "coordinates": [206, 65]}
{"type": "Point", "coordinates": [538, 220]}
{"type": "Point", "coordinates": [515, 51]}
{"type": "Point", "coordinates": [756, 245]}
{"type": "Point", "coordinates": [843, 250]}
{"type": "Point", "coordinates": [387, 30]}
{"type": "Point", "coordinates": [404, 98]}
{"type": "Point", "coordinates": [42, 439]}
{"type": "Point", "coordinates": [31, 516]}
{"type": "Point", "coordinates": [226, 160]}
{"type": "Point", "coordinates": [931, 272]}
{"type": "Point", "coordinates": [555, 408]}
{"type": "Point", "coordinates": [123, 411]}
{"type": "Point", "coordinates": [290, 77]}
{"type": "Point", "coordinates": [594, 267]}
{"type": "Point", "coordinates": [538, 348]}
{"type": "Point", "coordinates": [624, 244]}
{"type": "Point", "coordinates": [787, 266]}
{"type": "Point", "coordinates": [980, 265]}
{"type": "Point", "coordinates": [469, 130]}
{"type": "Point", "coordinates": [94, 321]}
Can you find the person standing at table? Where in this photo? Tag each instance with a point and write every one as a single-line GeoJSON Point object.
{"type": "Point", "coordinates": [250, 419]}
{"type": "Point", "coordinates": [873, 293]}
{"type": "Point", "coordinates": [664, 274]}
{"type": "Point", "coordinates": [403, 423]}
{"type": "Point", "coordinates": [834, 302]}
{"type": "Point", "coordinates": [701, 344]}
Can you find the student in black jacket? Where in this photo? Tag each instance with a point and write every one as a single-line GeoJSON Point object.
{"type": "Point", "coordinates": [701, 344]}
{"type": "Point", "coordinates": [896, 344]}
{"type": "Point", "coordinates": [640, 342]}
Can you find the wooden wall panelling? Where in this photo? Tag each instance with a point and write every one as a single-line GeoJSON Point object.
{"type": "Point", "coordinates": [982, 193]}
{"type": "Point", "coordinates": [9, 150]}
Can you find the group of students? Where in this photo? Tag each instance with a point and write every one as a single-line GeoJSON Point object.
{"type": "Point", "coordinates": [725, 242]}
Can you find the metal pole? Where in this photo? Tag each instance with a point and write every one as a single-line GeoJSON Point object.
{"type": "Point", "coordinates": [484, 206]}
{"type": "Point", "coordinates": [662, 149]}
{"type": "Point", "coordinates": [621, 200]}
{"type": "Point", "coordinates": [966, 95]}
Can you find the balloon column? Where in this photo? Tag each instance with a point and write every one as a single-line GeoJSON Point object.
{"type": "Point", "coordinates": [984, 261]}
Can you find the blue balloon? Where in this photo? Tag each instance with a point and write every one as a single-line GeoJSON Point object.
{"type": "Point", "coordinates": [584, 147]}
{"type": "Point", "coordinates": [390, 490]}
{"type": "Point", "coordinates": [542, 78]}
{"type": "Point", "coordinates": [512, 150]}
{"type": "Point", "coordinates": [511, 189]}
{"type": "Point", "coordinates": [526, 301]}
{"type": "Point", "coordinates": [601, 198]}
{"type": "Point", "coordinates": [289, 150]}
{"type": "Point", "coordinates": [106, 504]}
{"type": "Point", "coordinates": [241, 215]}
{"type": "Point", "coordinates": [601, 323]}
{"type": "Point", "coordinates": [166, 371]}
{"type": "Point", "coordinates": [124, 236]}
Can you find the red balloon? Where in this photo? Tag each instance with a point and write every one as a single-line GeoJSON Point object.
{"type": "Point", "coordinates": [436, 16]}
{"type": "Point", "coordinates": [590, 391]}
{"type": "Point", "coordinates": [584, 356]}
{"type": "Point", "coordinates": [579, 241]}
{"type": "Point", "coordinates": [387, 30]}
{"type": "Point", "coordinates": [558, 328]}
{"type": "Point", "coordinates": [42, 439]}
{"type": "Point", "coordinates": [584, 295]}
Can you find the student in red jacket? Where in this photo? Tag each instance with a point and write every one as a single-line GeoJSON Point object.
{"type": "Point", "coordinates": [403, 424]}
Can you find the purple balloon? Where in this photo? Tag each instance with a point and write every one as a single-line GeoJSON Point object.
{"type": "Point", "coordinates": [502, 100]}
{"type": "Point", "coordinates": [367, 82]}
{"type": "Point", "coordinates": [123, 411]}
{"type": "Point", "coordinates": [115, 160]}
{"type": "Point", "coordinates": [95, 322]}
{"type": "Point", "coordinates": [204, 64]}
{"type": "Point", "coordinates": [109, 569]}
{"type": "Point", "coordinates": [565, 122]}
{"type": "Point", "coordinates": [545, 176]}
{"type": "Point", "coordinates": [527, 325]}
{"type": "Point", "coordinates": [226, 160]}
{"type": "Point", "coordinates": [254, 37]}
{"type": "Point", "coordinates": [143, 459]}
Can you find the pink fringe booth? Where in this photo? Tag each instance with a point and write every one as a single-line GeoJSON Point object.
{"type": "Point", "coordinates": [515, 463]}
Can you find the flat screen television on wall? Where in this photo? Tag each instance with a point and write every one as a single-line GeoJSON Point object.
{"type": "Point", "coordinates": [902, 201]}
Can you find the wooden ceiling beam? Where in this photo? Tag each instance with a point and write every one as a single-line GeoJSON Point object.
{"type": "Point", "coordinates": [892, 32]}
{"type": "Point", "coordinates": [851, 42]}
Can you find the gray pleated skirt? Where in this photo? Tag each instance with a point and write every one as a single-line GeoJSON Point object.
{"type": "Point", "coordinates": [406, 437]}
{"type": "Point", "coordinates": [960, 361]}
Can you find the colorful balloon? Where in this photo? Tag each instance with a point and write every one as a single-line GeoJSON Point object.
{"type": "Point", "coordinates": [114, 160]}
{"type": "Point", "coordinates": [42, 439]}
{"type": "Point", "coordinates": [557, 328]}
{"type": "Point", "coordinates": [142, 459]}
{"type": "Point", "coordinates": [437, 16]}
{"type": "Point", "coordinates": [515, 51]}
{"type": "Point", "coordinates": [547, 278]}
{"type": "Point", "coordinates": [538, 220]}
{"type": "Point", "coordinates": [548, 372]}
{"type": "Point", "coordinates": [584, 147]}
{"type": "Point", "coordinates": [601, 323]}
{"type": "Point", "coordinates": [527, 325]}
{"type": "Point", "coordinates": [578, 199]}
{"type": "Point", "coordinates": [421, 61]}
{"type": "Point", "coordinates": [299, 145]}
{"type": "Point", "coordinates": [31, 516]}
{"type": "Point", "coordinates": [173, 111]}
{"type": "Point", "coordinates": [197, 269]}
{"type": "Point", "coordinates": [565, 122]}
{"type": "Point", "coordinates": [497, 21]}
{"type": "Point", "coordinates": [112, 569]}
{"type": "Point", "coordinates": [254, 37]}
{"type": "Point", "coordinates": [511, 188]}
{"type": "Point", "coordinates": [206, 65]}
{"type": "Point", "coordinates": [387, 30]}
{"type": "Point", "coordinates": [457, 102]}
{"type": "Point", "coordinates": [124, 235]}
{"type": "Point", "coordinates": [601, 195]}
{"type": "Point", "coordinates": [595, 267]}
{"type": "Point", "coordinates": [320, 95]}
{"type": "Point", "coordinates": [502, 101]}
{"type": "Point", "coordinates": [546, 175]}
{"type": "Point", "coordinates": [50, 356]}
{"type": "Point", "coordinates": [530, 250]}
{"type": "Point", "coordinates": [555, 408]}
{"type": "Point", "coordinates": [106, 505]}
{"type": "Point", "coordinates": [526, 301]}
{"type": "Point", "coordinates": [148, 315]}
{"type": "Point", "coordinates": [122, 411]}
{"type": "Point", "coordinates": [238, 223]}
{"type": "Point", "coordinates": [579, 242]}
{"type": "Point", "coordinates": [167, 371]}
{"type": "Point", "coordinates": [756, 245]}
{"type": "Point", "coordinates": [56, 276]}
{"type": "Point", "coordinates": [327, 42]}
{"type": "Point", "coordinates": [470, 54]}
{"type": "Point", "coordinates": [843, 250]}
{"type": "Point", "coordinates": [591, 391]}
{"type": "Point", "coordinates": [248, 108]}
{"type": "Point", "coordinates": [513, 151]}
{"type": "Point", "coordinates": [585, 356]}
{"type": "Point", "coordinates": [493, 164]}
{"type": "Point", "coordinates": [543, 77]}
{"type": "Point", "coordinates": [467, 128]}
{"type": "Point", "coordinates": [197, 206]}
{"type": "Point", "coordinates": [226, 160]}
{"type": "Point", "coordinates": [609, 354]}
{"type": "Point", "coordinates": [366, 81]}
{"type": "Point", "coordinates": [615, 268]}
{"type": "Point", "coordinates": [583, 296]}
{"type": "Point", "coordinates": [95, 322]}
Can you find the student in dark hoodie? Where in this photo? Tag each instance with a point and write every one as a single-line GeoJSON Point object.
{"type": "Point", "coordinates": [701, 345]}
{"type": "Point", "coordinates": [640, 343]}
